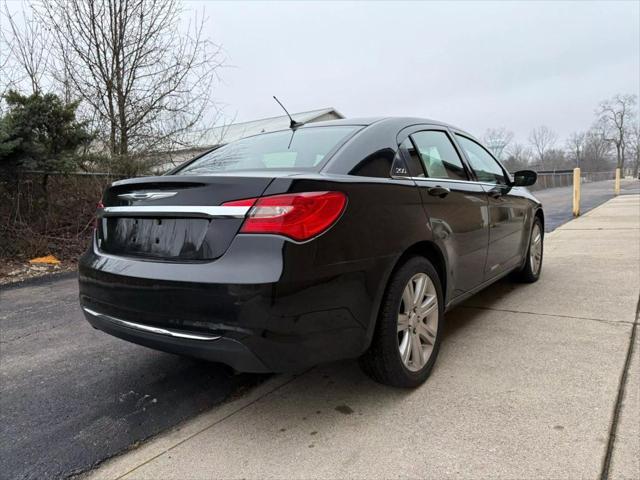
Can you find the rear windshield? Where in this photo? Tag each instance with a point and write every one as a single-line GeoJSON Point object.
{"type": "Point", "coordinates": [302, 149]}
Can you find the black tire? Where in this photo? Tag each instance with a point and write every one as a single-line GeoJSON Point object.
{"type": "Point", "coordinates": [529, 273]}
{"type": "Point", "coordinates": [382, 361]}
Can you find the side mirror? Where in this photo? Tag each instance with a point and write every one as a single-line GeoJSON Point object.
{"type": "Point", "coordinates": [524, 178]}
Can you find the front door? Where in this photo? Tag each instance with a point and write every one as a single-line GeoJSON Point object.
{"type": "Point", "coordinates": [507, 209]}
{"type": "Point", "coordinates": [456, 207]}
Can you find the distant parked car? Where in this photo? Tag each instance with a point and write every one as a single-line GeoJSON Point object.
{"type": "Point", "coordinates": [333, 240]}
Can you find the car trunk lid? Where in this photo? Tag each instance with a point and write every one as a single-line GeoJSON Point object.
{"type": "Point", "coordinates": [173, 218]}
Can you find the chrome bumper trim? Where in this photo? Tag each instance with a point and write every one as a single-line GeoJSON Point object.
{"type": "Point", "coordinates": [150, 329]}
{"type": "Point", "coordinates": [220, 211]}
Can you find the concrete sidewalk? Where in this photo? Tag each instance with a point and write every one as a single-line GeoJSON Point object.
{"type": "Point", "coordinates": [526, 386]}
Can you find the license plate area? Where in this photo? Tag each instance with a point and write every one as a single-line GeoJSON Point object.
{"type": "Point", "coordinates": [161, 238]}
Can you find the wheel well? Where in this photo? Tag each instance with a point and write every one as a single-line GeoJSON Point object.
{"type": "Point", "coordinates": [431, 252]}
{"type": "Point", "coordinates": [540, 214]}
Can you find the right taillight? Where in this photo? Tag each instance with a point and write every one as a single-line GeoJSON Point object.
{"type": "Point", "coordinates": [299, 216]}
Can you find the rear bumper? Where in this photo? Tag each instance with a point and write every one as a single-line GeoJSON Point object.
{"type": "Point", "coordinates": [215, 348]}
{"type": "Point", "coordinates": [264, 306]}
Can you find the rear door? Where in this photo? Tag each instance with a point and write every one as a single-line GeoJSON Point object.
{"type": "Point", "coordinates": [507, 209]}
{"type": "Point", "coordinates": [456, 207]}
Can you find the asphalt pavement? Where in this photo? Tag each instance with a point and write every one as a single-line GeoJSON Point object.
{"type": "Point", "coordinates": [73, 397]}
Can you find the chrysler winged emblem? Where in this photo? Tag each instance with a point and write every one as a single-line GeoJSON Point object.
{"type": "Point", "coordinates": [146, 195]}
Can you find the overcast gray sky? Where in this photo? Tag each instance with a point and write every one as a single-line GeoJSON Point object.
{"type": "Point", "coordinates": [473, 64]}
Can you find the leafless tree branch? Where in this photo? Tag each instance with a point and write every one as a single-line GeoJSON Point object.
{"type": "Point", "coordinates": [542, 139]}
{"type": "Point", "coordinates": [27, 50]}
{"type": "Point", "coordinates": [498, 140]}
{"type": "Point", "coordinates": [616, 117]}
{"type": "Point", "coordinates": [149, 81]}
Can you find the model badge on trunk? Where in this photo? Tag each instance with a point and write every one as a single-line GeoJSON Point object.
{"type": "Point", "coordinates": [147, 195]}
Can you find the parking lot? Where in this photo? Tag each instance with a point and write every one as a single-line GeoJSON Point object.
{"type": "Point", "coordinates": [520, 383]}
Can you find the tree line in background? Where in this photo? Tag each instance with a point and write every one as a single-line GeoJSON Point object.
{"type": "Point", "coordinates": [613, 141]}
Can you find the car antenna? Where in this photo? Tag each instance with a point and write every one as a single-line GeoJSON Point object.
{"type": "Point", "coordinates": [293, 125]}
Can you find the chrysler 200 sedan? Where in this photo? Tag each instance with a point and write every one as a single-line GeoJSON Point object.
{"type": "Point", "coordinates": [326, 241]}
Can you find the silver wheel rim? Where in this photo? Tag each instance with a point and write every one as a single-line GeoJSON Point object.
{"type": "Point", "coordinates": [417, 322]}
{"type": "Point", "coordinates": [535, 249]}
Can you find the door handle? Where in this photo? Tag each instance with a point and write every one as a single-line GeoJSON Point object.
{"type": "Point", "coordinates": [438, 191]}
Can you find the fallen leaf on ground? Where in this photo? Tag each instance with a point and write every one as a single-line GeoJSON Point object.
{"type": "Point", "coordinates": [49, 260]}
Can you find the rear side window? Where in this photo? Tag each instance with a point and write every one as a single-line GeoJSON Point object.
{"type": "Point", "coordinates": [438, 155]}
{"type": "Point", "coordinates": [484, 165]}
{"type": "Point", "coordinates": [302, 149]}
{"type": "Point", "coordinates": [414, 163]}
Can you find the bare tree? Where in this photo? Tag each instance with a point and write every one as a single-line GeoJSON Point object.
{"type": "Point", "coordinates": [8, 75]}
{"type": "Point", "coordinates": [27, 51]}
{"type": "Point", "coordinates": [518, 157]}
{"type": "Point", "coordinates": [575, 145]}
{"type": "Point", "coordinates": [542, 139]}
{"type": "Point", "coordinates": [596, 152]}
{"type": "Point", "coordinates": [498, 139]}
{"type": "Point", "coordinates": [556, 159]}
{"type": "Point", "coordinates": [148, 80]}
{"type": "Point", "coordinates": [616, 116]}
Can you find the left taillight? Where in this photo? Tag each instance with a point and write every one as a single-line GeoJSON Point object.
{"type": "Point", "coordinates": [299, 216]}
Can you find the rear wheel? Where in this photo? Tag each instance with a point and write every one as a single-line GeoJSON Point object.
{"type": "Point", "coordinates": [530, 272]}
{"type": "Point", "coordinates": [407, 336]}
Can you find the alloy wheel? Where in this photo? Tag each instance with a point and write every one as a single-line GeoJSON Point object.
{"type": "Point", "coordinates": [535, 249]}
{"type": "Point", "coordinates": [417, 322]}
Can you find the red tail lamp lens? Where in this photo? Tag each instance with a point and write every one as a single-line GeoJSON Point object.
{"type": "Point", "coordinates": [299, 216]}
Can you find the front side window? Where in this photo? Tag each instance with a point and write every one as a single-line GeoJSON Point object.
{"type": "Point", "coordinates": [484, 165]}
{"type": "Point", "coordinates": [438, 156]}
{"type": "Point", "coordinates": [302, 149]}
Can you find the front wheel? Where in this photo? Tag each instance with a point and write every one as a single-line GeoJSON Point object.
{"type": "Point", "coordinates": [530, 272]}
{"type": "Point", "coordinates": [407, 336]}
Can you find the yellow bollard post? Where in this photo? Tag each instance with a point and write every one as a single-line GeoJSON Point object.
{"type": "Point", "coordinates": [576, 192]}
{"type": "Point", "coordinates": [616, 186]}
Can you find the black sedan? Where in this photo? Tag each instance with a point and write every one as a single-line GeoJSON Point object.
{"type": "Point", "coordinates": [331, 240]}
